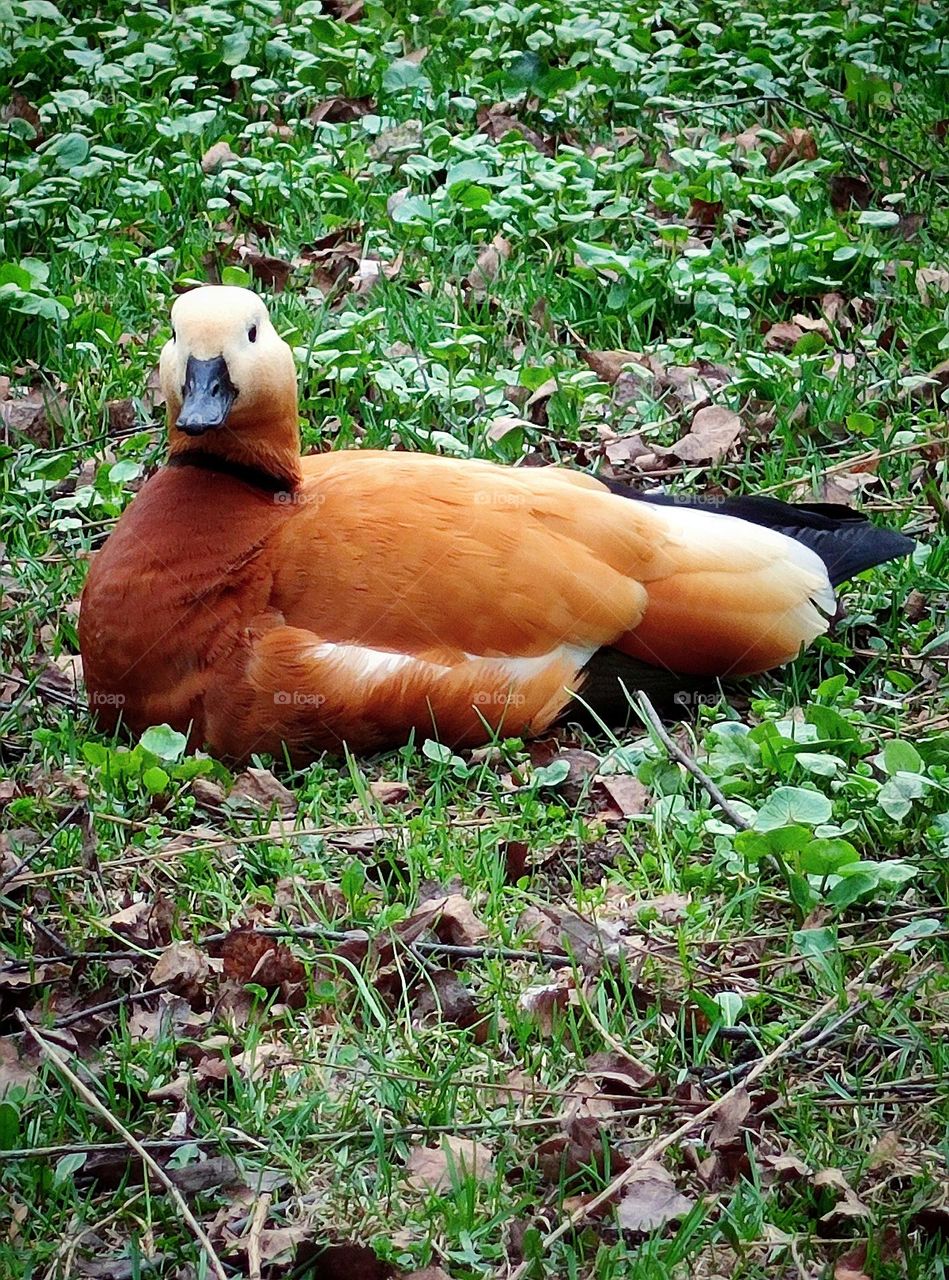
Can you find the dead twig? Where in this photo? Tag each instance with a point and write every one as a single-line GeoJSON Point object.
{"type": "Point", "coordinates": [650, 718]}
{"type": "Point", "coordinates": [150, 1163]}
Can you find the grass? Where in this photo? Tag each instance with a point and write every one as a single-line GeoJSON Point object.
{"type": "Point", "coordinates": [629, 218]}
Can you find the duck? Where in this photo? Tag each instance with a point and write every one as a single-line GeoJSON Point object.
{"type": "Point", "coordinates": [268, 603]}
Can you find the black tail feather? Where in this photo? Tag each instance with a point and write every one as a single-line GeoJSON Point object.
{"type": "Point", "coordinates": [845, 540]}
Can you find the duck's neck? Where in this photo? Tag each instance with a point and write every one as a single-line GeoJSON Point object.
{"type": "Point", "coordinates": [270, 449]}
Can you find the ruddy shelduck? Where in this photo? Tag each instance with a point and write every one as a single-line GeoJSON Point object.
{"type": "Point", "coordinates": [260, 601]}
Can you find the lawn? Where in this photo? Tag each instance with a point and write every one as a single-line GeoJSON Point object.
{"type": "Point", "coordinates": [568, 1008]}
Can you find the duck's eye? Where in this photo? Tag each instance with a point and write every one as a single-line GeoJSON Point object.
{"type": "Point", "coordinates": [252, 333]}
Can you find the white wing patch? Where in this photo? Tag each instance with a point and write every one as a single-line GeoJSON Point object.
{"type": "Point", "coordinates": [364, 663]}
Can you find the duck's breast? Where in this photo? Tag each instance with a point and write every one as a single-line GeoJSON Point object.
{"type": "Point", "coordinates": [167, 596]}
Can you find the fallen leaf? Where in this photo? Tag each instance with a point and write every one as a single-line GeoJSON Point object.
{"type": "Point", "coordinates": [345, 10]}
{"type": "Point", "coordinates": [184, 968]}
{"type": "Point", "coordinates": [782, 336]}
{"type": "Point", "coordinates": [391, 144]}
{"type": "Point", "coordinates": [16, 1071]}
{"type": "Point", "coordinates": [428, 1273]}
{"type": "Point", "coordinates": [930, 282]}
{"type": "Point", "coordinates": [272, 271]}
{"type": "Point", "coordinates": [499, 120]}
{"type": "Point", "coordinates": [544, 1001]}
{"type": "Point", "coordinates": [250, 956]}
{"type": "Point", "coordinates": [798, 144]}
{"type": "Point", "coordinates": [450, 917]}
{"type": "Point", "coordinates": [486, 269]}
{"type": "Point", "coordinates": [20, 108]}
{"type": "Point", "coordinates": [651, 1200]}
{"type": "Point", "coordinates": [436, 1168]}
{"type": "Point", "coordinates": [713, 432]}
{"type": "Point", "coordinates": [608, 365]}
{"type": "Point", "coordinates": [629, 796]}
{"type": "Point", "coordinates": [34, 415]}
{"type": "Point", "coordinates": [847, 1203]}
{"type": "Point", "coordinates": [260, 787]}
{"type": "Point", "coordinates": [340, 110]}
{"type": "Point", "coordinates": [583, 1146]}
{"type": "Point", "coordinates": [217, 156]}
{"type": "Point", "coordinates": [849, 193]}
{"type": "Point", "coordinates": [729, 1118]}
{"type": "Point", "coordinates": [389, 792]}
{"type": "Point", "coordinates": [705, 213]}
{"type": "Point", "coordinates": [620, 1073]}
{"type": "Point", "coordinates": [443, 993]}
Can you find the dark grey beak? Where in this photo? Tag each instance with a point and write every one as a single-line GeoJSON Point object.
{"type": "Point", "coordinates": [208, 396]}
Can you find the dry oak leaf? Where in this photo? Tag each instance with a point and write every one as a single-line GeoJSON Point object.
{"type": "Point", "coordinates": [651, 1200]}
{"type": "Point", "coordinates": [184, 968]}
{"type": "Point", "coordinates": [436, 1168]}
{"type": "Point", "coordinates": [486, 269]}
{"type": "Point", "coordinates": [713, 432]}
{"type": "Point", "coordinates": [389, 792]}
{"type": "Point", "coordinates": [848, 1202]}
{"type": "Point", "coordinates": [20, 108]}
{"type": "Point", "coordinates": [250, 956]}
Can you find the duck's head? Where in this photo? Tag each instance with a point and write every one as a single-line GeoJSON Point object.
{"type": "Point", "coordinates": [230, 382]}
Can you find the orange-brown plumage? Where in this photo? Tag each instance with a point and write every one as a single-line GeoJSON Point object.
{"type": "Point", "coordinates": [254, 598]}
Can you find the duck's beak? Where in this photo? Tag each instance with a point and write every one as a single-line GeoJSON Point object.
{"type": "Point", "coordinates": [208, 396]}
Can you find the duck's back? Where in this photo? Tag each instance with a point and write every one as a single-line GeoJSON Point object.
{"type": "Point", "coordinates": [171, 591]}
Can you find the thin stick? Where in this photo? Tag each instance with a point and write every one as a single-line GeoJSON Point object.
{"type": "Point", "coordinates": [651, 719]}
{"type": "Point", "coordinates": [660, 1145]}
{"type": "Point", "coordinates": [150, 1163]}
{"type": "Point", "coordinates": [253, 1236]}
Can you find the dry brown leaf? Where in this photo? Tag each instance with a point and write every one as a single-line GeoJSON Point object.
{"type": "Point", "coordinates": [16, 1072]}
{"type": "Point", "coordinates": [620, 1073]}
{"type": "Point", "coordinates": [705, 213]}
{"type": "Point", "coordinates": [428, 1273]}
{"type": "Point", "coordinates": [392, 144]}
{"type": "Point", "coordinates": [848, 1204]}
{"type": "Point", "coordinates": [250, 956]}
{"type": "Point", "coordinates": [629, 796]}
{"type": "Point", "coordinates": [651, 1200]}
{"type": "Point", "coordinates": [847, 192]}
{"type": "Point", "coordinates": [436, 1168]}
{"type": "Point", "coordinates": [340, 110]}
{"type": "Point", "coordinates": [184, 968]}
{"type": "Point", "coordinates": [713, 432]}
{"type": "Point", "coordinates": [34, 415]}
{"type": "Point", "coordinates": [485, 270]}
{"type": "Point", "coordinates": [499, 120]}
{"type": "Point", "coordinates": [729, 1119]}
{"type": "Point", "coordinates": [389, 792]}
{"type": "Point", "coordinates": [583, 1145]}
{"type": "Point", "coordinates": [451, 918]}
{"type": "Point", "coordinates": [798, 144]}
{"type": "Point", "coordinates": [445, 995]}
{"type": "Point", "coordinates": [260, 787]}
{"type": "Point", "coordinates": [931, 284]}
{"type": "Point", "coordinates": [782, 336]}
{"type": "Point", "coordinates": [543, 1002]}
{"type": "Point", "coordinates": [608, 365]}
{"type": "Point", "coordinates": [20, 108]}
{"type": "Point", "coordinates": [271, 271]}
{"type": "Point", "coordinates": [217, 156]}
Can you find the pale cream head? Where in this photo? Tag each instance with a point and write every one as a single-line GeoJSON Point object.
{"type": "Point", "coordinates": [231, 379]}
